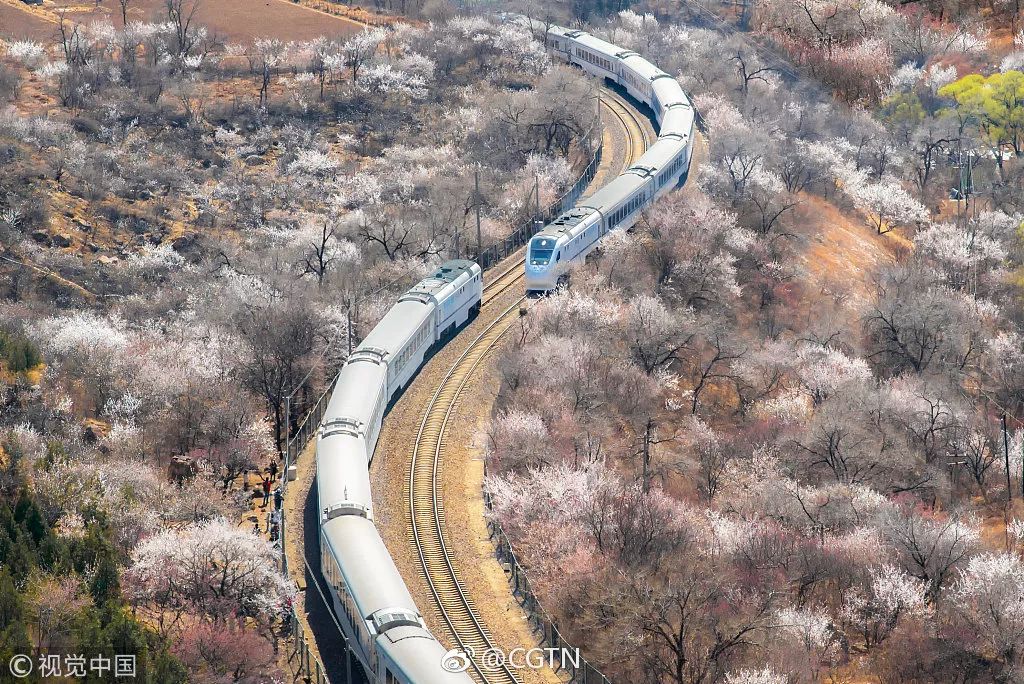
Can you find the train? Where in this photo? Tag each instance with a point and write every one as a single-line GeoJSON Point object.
{"type": "Point", "coordinates": [574, 234]}
{"type": "Point", "coordinates": [384, 628]}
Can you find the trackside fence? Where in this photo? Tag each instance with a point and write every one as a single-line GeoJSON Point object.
{"type": "Point", "coordinates": [307, 665]}
{"type": "Point", "coordinates": [506, 247]}
{"type": "Point", "coordinates": [564, 657]}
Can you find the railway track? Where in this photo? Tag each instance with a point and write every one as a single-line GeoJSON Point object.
{"type": "Point", "coordinates": [638, 140]}
{"type": "Point", "coordinates": [503, 282]}
{"type": "Point", "coordinates": [427, 519]}
{"type": "Point", "coordinates": [636, 132]}
{"type": "Point", "coordinates": [427, 511]}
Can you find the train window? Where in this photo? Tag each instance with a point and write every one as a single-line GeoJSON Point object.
{"type": "Point", "coordinates": [541, 249]}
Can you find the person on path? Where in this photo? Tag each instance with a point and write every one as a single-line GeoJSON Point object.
{"type": "Point", "coordinates": [266, 491]}
{"type": "Point", "coordinates": [273, 469]}
{"type": "Point", "coordinates": [278, 499]}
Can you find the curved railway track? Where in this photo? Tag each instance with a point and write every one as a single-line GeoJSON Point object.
{"type": "Point", "coordinates": [503, 282]}
{"type": "Point", "coordinates": [636, 132]}
{"type": "Point", "coordinates": [637, 142]}
{"type": "Point", "coordinates": [427, 528]}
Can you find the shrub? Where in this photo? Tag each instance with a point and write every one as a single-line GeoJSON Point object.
{"type": "Point", "coordinates": [18, 353]}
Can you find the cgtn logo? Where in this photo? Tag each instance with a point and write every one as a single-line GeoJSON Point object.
{"type": "Point", "coordinates": [460, 660]}
{"type": "Point", "coordinates": [456, 660]}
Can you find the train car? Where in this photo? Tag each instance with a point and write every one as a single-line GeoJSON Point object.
{"type": "Point", "coordinates": [455, 290]}
{"type": "Point", "coordinates": [373, 605]}
{"type": "Point", "coordinates": [380, 618]}
{"type": "Point", "coordinates": [409, 654]}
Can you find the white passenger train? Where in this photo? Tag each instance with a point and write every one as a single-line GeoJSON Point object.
{"type": "Point", "coordinates": [569, 238]}
{"type": "Point", "coordinates": [380, 619]}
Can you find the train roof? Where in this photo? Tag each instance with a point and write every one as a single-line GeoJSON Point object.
{"type": "Point", "coordinates": [342, 478]}
{"type": "Point", "coordinates": [598, 45]}
{"type": "Point", "coordinates": [371, 576]}
{"type": "Point", "coordinates": [669, 92]}
{"type": "Point", "coordinates": [619, 189]}
{"type": "Point", "coordinates": [420, 656]}
{"type": "Point", "coordinates": [446, 274]}
{"type": "Point", "coordinates": [662, 152]}
{"type": "Point", "coordinates": [677, 120]}
{"type": "Point", "coordinates": [565, 222]}
{"type": "Point", "coordinates": [351, 397]}
{"type": "Point", "coordinates": [442, 283]}
{"type": "Point", "coordinates": [399, 324]}
{"type": "Point", "coordinates": [642, 67]}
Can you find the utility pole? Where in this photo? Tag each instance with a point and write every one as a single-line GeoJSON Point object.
{"type": "Point", "coordinates": [536, 194]}
{"type": "Point", "coordinates": [287, 429]}
{"type": "Point", "coordinates": [476, 200]}
{"type": "Point", "coordinates": [1006, 454]}
{"type": "Point", "coordinates": [349, 325]}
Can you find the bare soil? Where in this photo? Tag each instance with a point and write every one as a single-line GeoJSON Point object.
{"type": "Point", "coordinates": [846, 254]}
{"type": "Point", "coordinates": [19, 21]}
{"type": "Point", "coordinates": [233, 20]}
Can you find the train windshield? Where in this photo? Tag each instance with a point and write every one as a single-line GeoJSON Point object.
{"type": "Point", "coordinates": [541, 249]}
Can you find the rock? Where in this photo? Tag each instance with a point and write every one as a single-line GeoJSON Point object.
{"type": "Point", "coordinates": [181, 468]}
{"type": "Point", "coordinates": [42, 237]}
{"type": "Point", "coordinates": [83, 224]}
{"type": "Point", "coordinates": [184, 243]}
{"type": "Point", "coordinates": [93, 247]}
{"type": "Point", "coordinates": [94, 430]}
{"type": "Point", "coordinates": [253, 160]}
{"type": "Point", "coordinates": [145, 195]}
{"type": "Point", "coordinates": [106, 260]}
{"type": "Point", "coordinates": [62, 240]}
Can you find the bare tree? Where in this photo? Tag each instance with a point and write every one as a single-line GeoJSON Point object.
{"type": "Point", "coordinates": [124, 5]}
{"type": "Point", "coordinates": [695, 626]}
{"type": "Point", "coordinates": [279, 340]}
{"type": "Point", "coordinates": [319, 261]}
{"type": "Point", "coordinates": [930, 548]}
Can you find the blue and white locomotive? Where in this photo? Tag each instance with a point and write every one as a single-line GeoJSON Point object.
{"type": "Point", "coordinates": [569, 238]}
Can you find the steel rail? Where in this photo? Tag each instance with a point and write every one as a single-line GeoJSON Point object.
{"type": "Point", "coordinates": [427, 510]}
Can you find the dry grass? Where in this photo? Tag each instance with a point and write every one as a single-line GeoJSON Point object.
{"type": "Point", "coordinates": [843, 255]}
{"type": "Point", "coordinates": [19, 21]}
{"type": "Point", "coordinates": [234, 20]}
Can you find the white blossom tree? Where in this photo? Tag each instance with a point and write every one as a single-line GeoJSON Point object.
{"type": "Point", "coordinates": [211, 568]}
{"type": "Point", "coordinates": [989, 596]}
